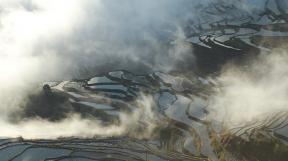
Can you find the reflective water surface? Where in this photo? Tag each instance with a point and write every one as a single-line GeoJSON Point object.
{"type": "Point", "coordinates": [178, 123]}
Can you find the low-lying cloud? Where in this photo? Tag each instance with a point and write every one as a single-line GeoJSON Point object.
{"type": "Point", "coordinates": [251, 92]}
{"type": "Point", "coordinates": [44, 40]}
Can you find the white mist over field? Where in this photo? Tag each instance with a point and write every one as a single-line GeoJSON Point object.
{"type": "Point", "coordinates": [75, 126]}
{"type": "Point", "coordinates": [44, 40]}
{"type": "Point", "coordinates": [253, 93]}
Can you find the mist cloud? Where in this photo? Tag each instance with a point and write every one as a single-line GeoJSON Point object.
{"type": "Point", "coordinates": [44, 40]}
{"type": "Point", "coordinates": [252, 92]}
{"type": "Point", "coordinates": [140, 123]}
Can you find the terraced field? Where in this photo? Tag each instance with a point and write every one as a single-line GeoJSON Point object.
{"type": "Point", "coordinates": [170, 117]}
